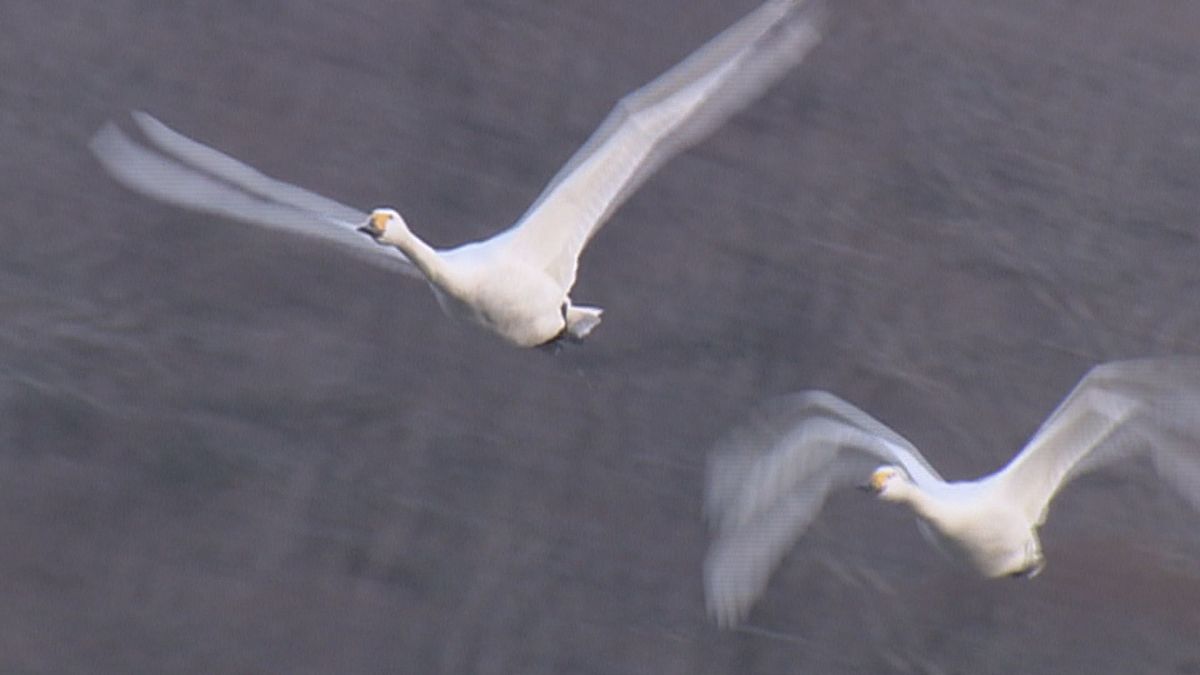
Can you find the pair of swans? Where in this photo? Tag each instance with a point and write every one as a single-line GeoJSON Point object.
{"type": "Point", "coordinates": [517, 283]}
{"type": "Point", "coordinates": [768, 479]}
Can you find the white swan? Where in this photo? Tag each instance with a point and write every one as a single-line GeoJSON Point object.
{"type": "Point", "coordinates": [516, 283]}
{"type": "Point", "coordinates": [768, 479]}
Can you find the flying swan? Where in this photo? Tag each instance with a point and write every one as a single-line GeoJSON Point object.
{"type": "Point", "coordinates": [768, 479]}
{"type": "Point", "coordinates": [516, 283]}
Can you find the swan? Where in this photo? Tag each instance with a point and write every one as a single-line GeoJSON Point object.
{"type": "Point", "coordinates": [767, 479]}
{"type": "Point", "coordinates": [515, 284]}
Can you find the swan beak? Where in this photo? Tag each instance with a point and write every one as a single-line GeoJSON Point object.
{"type": "Point", "coordinates": [877, 481]}
{"type": "Point", "coordinates": [372, 229]}
{"type": "Point", "coordinates": [375, 226]}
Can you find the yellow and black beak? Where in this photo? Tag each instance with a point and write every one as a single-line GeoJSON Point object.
{"type": "Point", "coordinates": [875, 483]}
{"type": "Point", "coordinates": [375, 225]}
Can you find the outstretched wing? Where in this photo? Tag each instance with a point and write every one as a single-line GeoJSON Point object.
{"type": "Point", "coordinates": [768, 478]}
{"type": "Point", "coordinates": [1119, 409]}
{"type": "Point", "coordinates": [181, 171]}
{"type": "Point", "coordinates": [656, 122]}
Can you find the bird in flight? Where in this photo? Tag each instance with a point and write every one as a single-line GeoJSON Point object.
{"type": "Point", "coordinates": [517, 283]}
{"type": "Point", "coordinates": [768, 479]}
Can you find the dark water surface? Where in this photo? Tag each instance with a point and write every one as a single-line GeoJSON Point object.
{"type": "Point", "coordinates": [226, 451]}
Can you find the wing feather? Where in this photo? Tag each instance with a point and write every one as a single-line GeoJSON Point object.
{"type": "Point", "coordinates": [768, 479]}
{"type": "Point", "coordinates": [656, 122]}
{"type": "Point", "coordinates": [186, 173]}
{"type": "Point", "coordinates": [1118, 410]}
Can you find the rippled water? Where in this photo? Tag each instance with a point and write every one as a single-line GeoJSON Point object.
{"type": "Point", "coordinates": [221, 451]}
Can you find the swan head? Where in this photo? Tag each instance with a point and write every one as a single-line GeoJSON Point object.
{"type": "Point", "coordinates": [385, 226]}
{"type": "Point", "coordinates": [888, 483]}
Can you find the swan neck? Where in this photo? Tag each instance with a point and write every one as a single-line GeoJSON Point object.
{"type": "Point", "coordinates": [916, 499]}
{"type": "Point", "coordinates": [424, 256]}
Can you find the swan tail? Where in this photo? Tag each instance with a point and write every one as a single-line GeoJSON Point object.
{"type": "Point", "coordinates": [581, 320]}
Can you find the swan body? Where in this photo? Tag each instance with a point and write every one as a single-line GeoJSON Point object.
{"type": "Point", "coordinates": [971, 521]}
{"type": "Point", "coordinates": [768, 478]}
{"type": "Point", "coordinates": [488, 283]}
{"type": "Point", "coordinates": [517, 283]}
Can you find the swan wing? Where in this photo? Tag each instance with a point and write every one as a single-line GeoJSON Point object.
{"type": "Point", "coordinates": [1119, 409]}
{"type": "Point", "coordinates": [183, 172]}
{"type": "Point", "coordinates": [656, 122]}
{"type": "Point", "coordinates": [768, 479]}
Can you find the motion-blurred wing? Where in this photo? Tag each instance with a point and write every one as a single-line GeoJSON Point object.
{"type": "Point", "coordinates": [767, 480]}
{"type": "Point", "coordinates": [186, 173]}
{"type": "Point", "coordinates": [1117, 410]}
{"type": "Point", "coordinates": [656, 122]}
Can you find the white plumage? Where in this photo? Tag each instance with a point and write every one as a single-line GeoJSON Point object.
{"type": "Point", "coordinates": [517, 283]}
{"type": "Point", "coordinates": [768, 479]}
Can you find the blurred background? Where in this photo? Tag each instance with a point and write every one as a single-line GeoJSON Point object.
{"type": "Point", "coordinates": [222, 450]}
